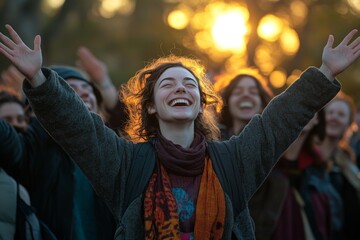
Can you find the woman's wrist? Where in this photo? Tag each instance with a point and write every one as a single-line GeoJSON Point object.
{"type": "Point", "coordinates": [38, 79]}
{"type": "Point", "coordinates": [327, 72]}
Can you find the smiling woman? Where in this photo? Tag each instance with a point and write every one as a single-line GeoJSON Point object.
{"type": "Point", "coordinates": [245, 93]}
{"type": "Point", "coordinates": [340, 160]}
{"type": "Point", "coordinates": [138, 97]}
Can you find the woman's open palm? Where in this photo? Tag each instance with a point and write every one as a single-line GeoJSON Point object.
{"type": "Point", "coordinates": [342, 56]}
{"type": "Point", "coordinates": [26, 60]}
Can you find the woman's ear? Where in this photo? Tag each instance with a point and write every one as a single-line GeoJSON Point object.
{"type": "Point", "coordinates": [151, 109]}
{"type": "Point", "coordinates": [201, 109]}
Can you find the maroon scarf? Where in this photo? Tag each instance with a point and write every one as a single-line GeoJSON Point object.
{"type": "Point", "coordinates": [181, 161]}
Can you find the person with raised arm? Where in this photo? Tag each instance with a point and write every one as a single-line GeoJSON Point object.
{"type": "Point", "coordinates": [113, 108]}
{"type": "Point", "coordinates": [174, 181]}
{"type": "Point", "coordinates": [60, 192]}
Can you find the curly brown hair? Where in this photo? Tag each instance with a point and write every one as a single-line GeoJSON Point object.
{"type": "Point", "coordinates": [138, 95]}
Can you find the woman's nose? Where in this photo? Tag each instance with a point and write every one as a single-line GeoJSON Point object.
{"type": "Point", "coordinates": [180, 89]}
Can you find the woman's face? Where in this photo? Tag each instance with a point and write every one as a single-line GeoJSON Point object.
{"type": "Point", "coordinates": [14, 114]}
{"type": "Point", "coordinates": [176, 96]}
{"type": "Point", "coordinates": [85, 92]}
{"type": "Point", "coordinates": [337, 116]}
{"type": "Point", "coordinates": [245, 101]}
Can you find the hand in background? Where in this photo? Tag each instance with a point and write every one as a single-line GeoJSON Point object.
{"type": "Point", "coordinates": [12, 78]}
{"type": "Point", "coordinates": [99, 75]}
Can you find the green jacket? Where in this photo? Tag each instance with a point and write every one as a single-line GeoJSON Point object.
{"type": "Point", "coordinates": [119, 170]}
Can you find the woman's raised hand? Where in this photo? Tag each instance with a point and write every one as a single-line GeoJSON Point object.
{"type": "Point", "coordinates": [27, 61]}
{"type": "Point", "coordinates": [336, 60]}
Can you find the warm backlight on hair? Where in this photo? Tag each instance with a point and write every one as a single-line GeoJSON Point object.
{"type": "Point", "coordinates": [270, 28]}
{"type": "Point", "coordinates": [229, 30]}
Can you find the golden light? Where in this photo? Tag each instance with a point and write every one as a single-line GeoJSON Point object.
{"type": "Point", "coordinates": [216, 56]}
{"type": "Point", "coordinates": [263, 59]}
{"type": "Point", "coordinates": [203, 39]}
{"type": "Point", "coordinates": [229, 30]}
{"type": "Point", "coordinates": [178, 19]}
{"type": "Point", "coordinates": [293, 77]}
{"type": "Point", "coordinates": [236, 62]}
{"type": "Point", "coordinates": [109, 8]}
{"type": "Point", "coordinates": [106, 14]}
{"type": "Point", "coordinates": [51, 6]}
{"type": "Point", "coordinates": [299, 11]}
{"type": "Point", "coordinates": [343, 9]}
{"type": "Point", "coordinates": [216, 8]}
{"type": "Point", "coordinates": [126, 7]}
{"type": "Point", "coordinates": [270, 28]}
{"type": "Point", "coordinates": [289, 41]}
{"type": "Point", "coordinates": [277, 78]}
{"type": "Point", "coordinates": [200, 21]}
{"type": "Point", "coordinates": [55, 4]}
{"type": "Point", "coordinates": [355, 5]}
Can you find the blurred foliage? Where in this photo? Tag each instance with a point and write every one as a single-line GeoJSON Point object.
{"type": "Point", "coordinates": [126, 42]}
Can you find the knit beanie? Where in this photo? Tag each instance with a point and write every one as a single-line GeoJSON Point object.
{"type": "Point", "coordinates": [67, 72]}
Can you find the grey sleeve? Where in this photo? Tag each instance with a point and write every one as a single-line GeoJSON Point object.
{"type": "Point", "coordinates": [99, 152]}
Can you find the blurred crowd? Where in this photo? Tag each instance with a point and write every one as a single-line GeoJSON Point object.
{"type": "Point", "coordinates": [312, 193]}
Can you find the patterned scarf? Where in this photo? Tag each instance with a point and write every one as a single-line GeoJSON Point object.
{"type": "Point", "coordinates": [160, 208]}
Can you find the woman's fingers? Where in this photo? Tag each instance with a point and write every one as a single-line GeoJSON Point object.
{"type": "Point", "coordinates": [348, 37]}
{"type": "Point", "coordinates": [7, 52]}
{"type": "Point", "coordinates": [14, 36]}
{"type": "Point", "coordinates": [7, 41]}
{"type": "Point", "coordinates": [355, 43]}
{"type": "Point", "coordinates": [37, 43]}
{"type": "Point", "coordinates": [330, 42]}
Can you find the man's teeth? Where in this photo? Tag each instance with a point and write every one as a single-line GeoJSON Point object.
{"type": "Point", "coordinates": [180, 101]}
{"type": "Point", "coordinates": [246, 104]}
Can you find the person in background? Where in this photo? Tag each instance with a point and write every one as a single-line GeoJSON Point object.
{"type": "Point", "coordinates": [336, 151]}
{"type": "Point", "coordinates": [156, 188]}
{"type": "Point", "coordinates": [244, 94]}
{"type": "Point", "coordinates": [114, 113]}
{"type": "Point", "coordinates": [17, 218]}
{"type": "Point", "coordinates": [60, 192]}
{"type": "Point", "coordinates": [13, 79]}
{"type": "Point", "coordinates": [112, 109]}
{"type": "Point", "coordinates": [353, 137]}
{"type": "Point", "coordinates": [320, 204]}
{"type": "Point", "coordinates": [11, 111]}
